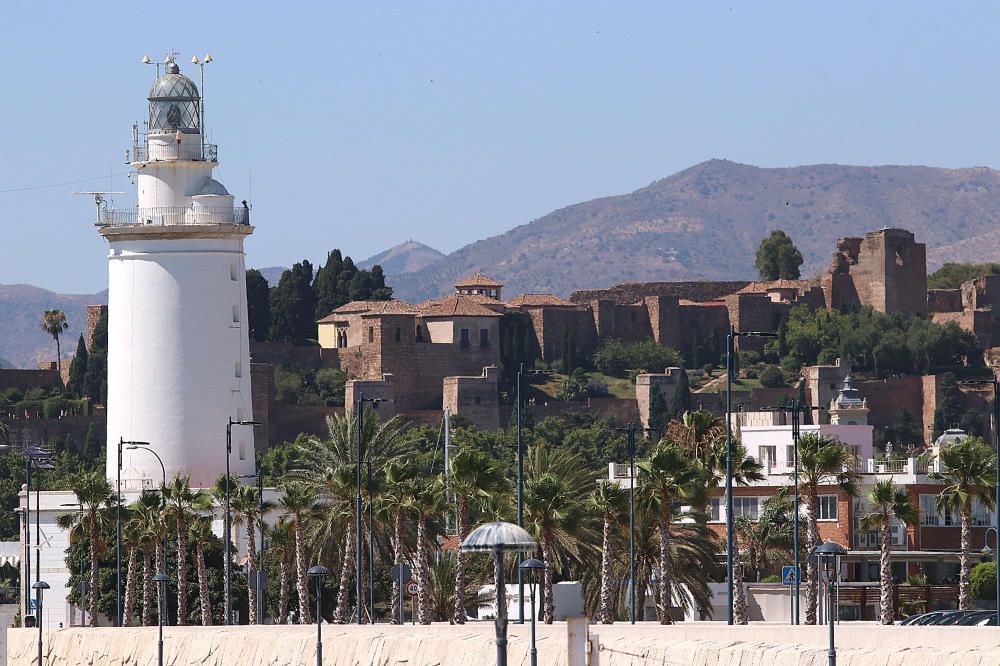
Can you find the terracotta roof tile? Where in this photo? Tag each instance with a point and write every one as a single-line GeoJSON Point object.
{"type": "Point", "coordinates": [540, 300]}
{"type": "Point", "coordinates": [457, 305]}
{"type": "Point", "coordinates": [479, 280]}
{"type": "Point", "coordinates": [393, 306]}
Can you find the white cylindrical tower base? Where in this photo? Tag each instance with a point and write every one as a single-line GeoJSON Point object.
{"type": "Point", "coordinates": [179, 359]}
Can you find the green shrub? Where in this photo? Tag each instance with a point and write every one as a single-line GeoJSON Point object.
{"type": "Point", "coordinates": [771, 377]}
{"type": "Point", "coordinates": [771, 579]}
{"type": "Point", "coordinates": [331, 383]}
{"type": "Point", "coordinates": [616, 358]}
{"type": "Point", "coordinates": [575, 387]}
{"type": "Point", "coordinates": [983, 580]}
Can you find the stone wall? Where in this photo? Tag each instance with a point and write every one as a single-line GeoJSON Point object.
{"type": "Point", "coordinates": [944, 300]}
{"type": "Point", "coordinates": [261, 399]}
{"type": "Point", "coordinates": [689, 643]}
{"type": "Point", "coordinates": [667, 383]}
{"type": "Point", "coordinates": [25, 379]}
{"type": "Point", "coordinates": [383, 390]}
{"type": "Point", "coordinates": [978, 322]}
{"type": "Point", "coordinates": [887, 269]}
{"type": "Point", "coordinates": [474, 398]}
{"type": "Point", "coordinates": [887, 398]}
{"type": "Point", "coordinates": [94, 314]}
{"type": "Point", "coordinates": [633, 292]}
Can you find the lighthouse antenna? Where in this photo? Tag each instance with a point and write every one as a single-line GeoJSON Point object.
{"type": "Point", "coordinates": [99, 201]}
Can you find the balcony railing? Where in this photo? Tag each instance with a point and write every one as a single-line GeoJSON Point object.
{"type": "Point", "coordinates": [911, 466]}
{"type": "Point", "coordinates": [172, 216]}
{"type": "Point", "coordinates": [140, 153]}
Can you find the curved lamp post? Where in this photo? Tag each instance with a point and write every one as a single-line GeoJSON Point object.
{"type": "Point", "coordinates": [499, 538]}
{"type": "Point", "coordinates": [228, 558]}
{"type": "Point", "coordinates": [161, 579]}
{"type": "Point", "coordinates": [830, 551]}
{"type": "Point", "coordinates": [532, 569]}
{"type": "Point", "coordinates": [317, 573]}
{"type": "Point", "coordinates": [39, 587]}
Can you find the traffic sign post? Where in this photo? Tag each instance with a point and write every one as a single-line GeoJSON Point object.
{"type": "Point", "coordinates": [401, 575]}
{"type": "Point", "coordinates": [790, 578]}
{"type": "Point", "coordinates": [412, 588]}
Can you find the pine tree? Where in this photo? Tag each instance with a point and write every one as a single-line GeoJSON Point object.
{"type": "Point", "coordinates": [91, 445]}
{"type": "Point", "coordinates": [258, 306]}
{"type": "Point", "coordinates": [78, 368]}
{"type": "Point", "coordinates": [380, 291]}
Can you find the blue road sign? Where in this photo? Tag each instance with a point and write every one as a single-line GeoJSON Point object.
{"type": "Point", "coordinates": [788, 575]}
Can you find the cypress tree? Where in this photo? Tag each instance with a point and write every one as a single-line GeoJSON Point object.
{"type": "Point", "coordinates": [91, 445]}
{"type": "Point", "coordinates": [292, 305]}
{"type": "Point", "coordinates": [681, 400]}
{"type": "Point", "coordinates": [258, 307]}
{"type": "Point", "coordinates": [325, 285]}
{"type": "Point", "coordinates": [78, 368]}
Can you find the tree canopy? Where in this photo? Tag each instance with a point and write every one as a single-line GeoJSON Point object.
{"type": "Point", "coordinates": [778, 258]}
{"type": "Point", "coordinates": [952, 275]}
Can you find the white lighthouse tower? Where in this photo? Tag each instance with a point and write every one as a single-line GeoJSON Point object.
{"type": "Point", "coordinates": [178, 350]}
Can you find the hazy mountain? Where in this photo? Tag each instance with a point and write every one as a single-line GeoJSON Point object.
{"type": "Point", "coordinates": [706, 222]}
{"type": "Point", "coordinates": [272, 274]}
{"type": "Point", "coordinates": [406, 257]}
{"type": "Point", "coordinates": [23, 344]}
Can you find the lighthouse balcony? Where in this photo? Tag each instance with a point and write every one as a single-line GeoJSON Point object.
{"type": "Point", "coordinates": [157, 152]}
{"type": "Point", "coordinates": [173, 216]}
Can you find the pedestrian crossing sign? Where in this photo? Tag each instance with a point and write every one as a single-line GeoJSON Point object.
{"type": "Point", "coordinates": [788, 575]}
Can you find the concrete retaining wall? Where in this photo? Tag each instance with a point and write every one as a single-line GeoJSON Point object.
{"type": "Point", "coordinates": [705, 644]}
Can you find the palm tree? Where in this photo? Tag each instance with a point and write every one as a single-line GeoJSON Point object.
{"type": "Point", "coordinates": [968, 468]}
{"type": "Point", "coordinates": [148, 521]}
{"type": "Point", "coordinates": [669, 475]}
{"type": "Point", "coordinates": [426, 500]}
{"type": "Point", "coordinates": [281, 545]}
{"type": "Point", "coordinates": [133, 539]}
{"type": "Point", "coordinates": [94, 494]}
{"type": "Point", "coordinates": [54, 323]}
{"type": "Point", "coordinates": [298, 504]}
{"type": "Point", "coordinates": [610, 499]}
{"type": "Point", "coordinates": [556, 489]}
{"type": "Point", "coordinates": [200, 532]}
{"type": "Point", "coordinates": [769, 536]}
{"type": "Point", "coordinates": [472, 474]}
{"type": "Point", "coordinates": [246, 506]}
{"type": "Point", "coordinates": [887, 502]}
{"type": "Point", "coordinates": [823, 461]}
{"type": "Point", "coordinates": [181, 504]}
{"type": "Point", "coordinates": [398, 481]}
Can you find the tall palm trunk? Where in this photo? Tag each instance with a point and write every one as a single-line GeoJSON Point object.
{"type": "Point", "coordinates": [460, 524]}
{"type": "Point", "coordinates": [397, 559]}
{"type": "Point", "coordinates": [607, 573]}
{"type": "Point", "coordinates": [423, 573]}
{"type": "Point", "coordinates": [130, 575]}
{"type": "Point", "coordinates": [963, 561]}
{"type": "Point", "coordinates": [252, 568]}
{"type": "Point", "coordinates": [94, 587]}
{"type": "Point", "coordinates": [663, 608]}
{"type": "Point", "coordinates": [812, 574]}
{"type": "Point", "coordinates": [284, 588]}
{"type": "Point", "coordinates": [885, 576]}
{"type": "Point", "coordinates": [161, 565]}
{"type": "Point", "coordinates": [181, 569]}
{"type": "Point", "coordinates": [346, 569]}
{"type": "Point", "coordinates": [548, 601]}
{"type": "Point", "coordinates": [739, 592]}
{"type": "Point", "coordinates": [147, 589]}
{"type": "Point", "coordinates": [203, 589]}
{"type": "Point", "coordinates": [305, 617]}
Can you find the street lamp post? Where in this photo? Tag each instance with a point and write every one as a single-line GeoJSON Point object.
{"type": "Point", "coordinates": [829, 552]}
{"type": "Point", "coordinates": [358, 520]}
{"type": "Point", "coordinates": [39, 587]}
{"type": "Point", "coordinates": [35, 458]}
{"type": "Point", "coordinates": [161, 579]}
{"type": "Point", "coordinates": [317, 573]}
{"type": "Point", "coordinates": [161, 594]}
{"type": "Point", "coordinates": [533, 567]}
{"type": "Point", "coordinates": [730, 368]}
{"type": "Point", "coordinates": [228, 559]}
{"type": "Point", "coordinates": [520, 497]}
{"type": "Point", "coordinates": [498, 538]}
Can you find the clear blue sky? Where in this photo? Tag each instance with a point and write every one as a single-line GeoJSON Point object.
{"type": "Point", "coordinates": [368, 124]}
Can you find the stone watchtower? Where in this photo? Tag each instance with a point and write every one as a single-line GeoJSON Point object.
{"type": "Point", "coordinates": [887, 269]}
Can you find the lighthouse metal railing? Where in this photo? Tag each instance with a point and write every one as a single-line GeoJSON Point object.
{"type": "Point", "coordinates": [172, 216]}
{"type": "Point", "coordinates": [140, 153]}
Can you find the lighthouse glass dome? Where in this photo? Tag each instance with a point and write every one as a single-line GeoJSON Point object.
{"type": "Point", "coordinates": [174, 103]}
